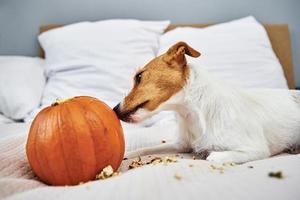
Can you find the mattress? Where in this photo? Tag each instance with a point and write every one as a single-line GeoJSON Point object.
{"type": "Point", "coordinates": [188, 178]}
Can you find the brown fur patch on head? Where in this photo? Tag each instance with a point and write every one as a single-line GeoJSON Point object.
{"type": "Point", "coordinates": [160, 79]}
{"type": "Point", "coordinates": [158, 84]}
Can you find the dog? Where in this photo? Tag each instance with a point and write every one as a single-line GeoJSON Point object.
{"type": "Point", "coordinates": [231, 124]}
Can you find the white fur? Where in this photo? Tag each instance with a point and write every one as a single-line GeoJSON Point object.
{"type": "Point", "coordinates": [234, 125]}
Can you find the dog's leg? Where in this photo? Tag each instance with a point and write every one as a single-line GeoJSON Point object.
{"type": "Point", "coordinates": [236, 156]}
{"type": "Point", "coordinates": [163, 148]}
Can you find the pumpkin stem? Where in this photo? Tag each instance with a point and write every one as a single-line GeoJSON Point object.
{"type": "Point", "coordinates": [59, 101]}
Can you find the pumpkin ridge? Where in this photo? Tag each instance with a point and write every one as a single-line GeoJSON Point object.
{"type": "Point", "coordinates": [34, 146]}
{"type": "Point", "coordinates": [91, 106]}
{"type": "Point", "coordinates": [118, 130]}
{"type": "Point", "coordinates": [44, 128]}
{"type": "Point", "coordinates": [82, 111]}
{"type": "Point", "coordinates": [49, 120]}
{"type": "Point", "coordinates": [121, 145]}
{"type": "Point", "coordinates": [121, 140]}
{"type": "Point", "coordinates": [69, 114]}
{"type": "Point", "coordinates": [35, 152]}
{"type": "Point", "coordinates": [106, 130]}
{"type": "Point", "coordinates": [61, 143]}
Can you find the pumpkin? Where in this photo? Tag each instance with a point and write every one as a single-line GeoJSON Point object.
{"type": "Point", "coordinates": [72, 141]}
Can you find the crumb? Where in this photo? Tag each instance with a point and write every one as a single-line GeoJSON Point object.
{"type": "Point", "coordinates": [136, 163]}
{"type": "Point", "coordinates": [213, 167]}
{"type": "Point", "coordinates": [278, 175]}
{"type": "Point", "coordinates": [116, 174]}
{"type": "Point", "coordinates": [250, 167]}
{"type": "Point", "coordinates": [149, 156]}
{"type": "Point", "coordinates": [191, 165]}
{"type": "Point", "coordinates": [164, 160]}
{"type": "Point", "coordinates": [163, 141]}
{"type": "Point", "coordinates": [217, 168]}
{"type": "Point", "coordinates": [170, 159]}
{"type": "Point", "coordinates": [194, 157]}
{"type": "Point", "coordinates": [107, 172]}
{"type": "Point", "coordinates": [176, 155]}
{"type": "Point", "coordinates": [177, 176]}
{"type": "Point", "coordinates": [154, 161]}
{"type": "Point", "coordinates": [167, 160]}
{"type": "Point", "coordinates": [125, 158]}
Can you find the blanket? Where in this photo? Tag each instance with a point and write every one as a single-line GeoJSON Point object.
{"type": "Point", "coordinates": [188, 177]}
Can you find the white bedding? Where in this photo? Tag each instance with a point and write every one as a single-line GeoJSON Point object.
{"type": "Point", "coordinates": [4, 119]}
{"type": "Point", "coordinates": [22, 82]}
{"type": "Point", "coordinates": [152, 181]}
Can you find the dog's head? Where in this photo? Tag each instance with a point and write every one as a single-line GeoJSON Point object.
{"type": "Point", "coordinates": [154, 84]}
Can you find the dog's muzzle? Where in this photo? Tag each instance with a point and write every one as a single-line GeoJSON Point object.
{"type": "Point", "coordinates": [116, 109]}
{"type": "Point", "coordinates": [124, 116]}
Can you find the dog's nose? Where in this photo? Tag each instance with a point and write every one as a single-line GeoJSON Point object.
{"type": "Point", "coordinates": [117, 109]}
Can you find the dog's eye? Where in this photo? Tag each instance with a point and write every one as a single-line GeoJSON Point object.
{"type": "Point", "coordinates": [138, 77]}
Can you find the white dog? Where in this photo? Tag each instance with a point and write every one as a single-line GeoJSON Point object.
{"type": "Point", "coordinates": [232, 124]}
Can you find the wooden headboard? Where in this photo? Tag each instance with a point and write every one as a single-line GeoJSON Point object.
{"type": "Point", "coordinates": [278, 34]}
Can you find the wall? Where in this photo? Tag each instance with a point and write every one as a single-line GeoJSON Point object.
{"type": "Point", "coordinates": [20, 19]}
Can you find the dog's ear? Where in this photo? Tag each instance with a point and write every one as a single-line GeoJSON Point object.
{"type": "Point", "coordinates": [177, 53]}
{"type": "Point", "coordinates": [183, 48]}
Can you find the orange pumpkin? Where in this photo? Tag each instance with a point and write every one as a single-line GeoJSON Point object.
{"type": "Point", "coordinates": [71, 141]}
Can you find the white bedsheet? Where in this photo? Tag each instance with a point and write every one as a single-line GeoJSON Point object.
{"type": "Point", "coordinates": [152, 181]}
{"type": "Point", "coordinates": [5, 120]}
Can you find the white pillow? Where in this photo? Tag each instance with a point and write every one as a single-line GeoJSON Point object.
{"type": "Point", "coordinates": [22, 82]}
{"type": "Point", "coordinates": [97, 58]}
{"type": "Point", "coordinates": [238, 52]}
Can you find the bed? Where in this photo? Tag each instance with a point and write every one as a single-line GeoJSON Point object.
{"type": "Point", "coordinates": [188, 178]}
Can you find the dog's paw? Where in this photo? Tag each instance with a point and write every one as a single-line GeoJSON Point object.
{"type": "Point", "coordinates": [221, 157]}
